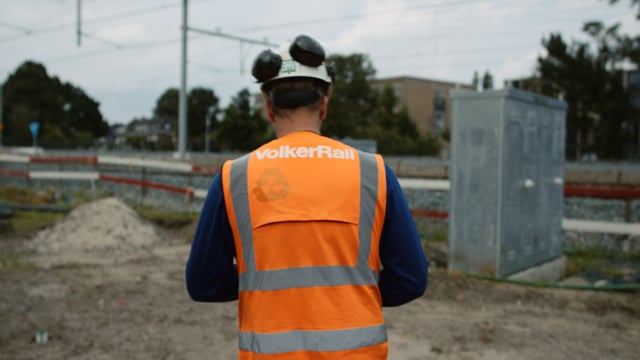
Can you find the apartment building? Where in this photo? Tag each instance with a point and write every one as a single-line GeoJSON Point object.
{"type": "Point", "coordinates": [426, 100]}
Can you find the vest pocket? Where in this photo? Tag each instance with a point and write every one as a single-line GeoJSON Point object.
{"type": "Point", "coordinates": [280, 245]}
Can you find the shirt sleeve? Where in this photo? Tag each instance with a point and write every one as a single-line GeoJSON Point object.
{"type": "Point", "coordinates": [404, 266]}
{"type": "Point", "coordinates": [211, 274]}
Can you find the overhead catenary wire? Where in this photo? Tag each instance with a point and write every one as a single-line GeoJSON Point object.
{"type": "Point", "coordinates": [310, 21]}
{"type": "Point", "coordinates": [95, 20]}
{"type": "Point", "coordinates": [117, 46]}
{"type": "Point", "coordinates": [386, 12]}
{"type": "Point", "coordinates": [407, 64]}
{"type": "Point", "coordinates": [15, 27]}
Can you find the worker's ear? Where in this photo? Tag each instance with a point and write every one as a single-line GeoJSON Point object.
{"type": "Point", "coordinates": [324, 107]}
{"type": "Point", "coordinates": [271, 116]}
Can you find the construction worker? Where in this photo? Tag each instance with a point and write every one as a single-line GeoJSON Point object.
{"type": "Point", "coordinates": [321, 234]}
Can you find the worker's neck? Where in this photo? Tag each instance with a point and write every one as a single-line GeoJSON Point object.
{"type": "Point", "coordinates": [297, 122]}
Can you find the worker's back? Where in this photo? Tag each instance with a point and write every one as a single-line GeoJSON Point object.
{"type": "Point", "coordinates": [306, 213]}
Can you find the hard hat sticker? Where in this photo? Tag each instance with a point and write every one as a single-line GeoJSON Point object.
{"type": "Point", "coordinates": [288, 67]}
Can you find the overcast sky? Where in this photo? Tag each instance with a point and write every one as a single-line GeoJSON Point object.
{"type": "Point", "coordinates": [130, 53]}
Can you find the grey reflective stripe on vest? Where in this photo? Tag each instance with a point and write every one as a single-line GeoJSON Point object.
{"type": "Point", "coordinates": [334, 340]}
{"type": "Point", "coordinates": [240, 199]}
{"type": "Point", "coordinates": [307, 277]}
{"type": "Point", "coordinates": [360, 274]}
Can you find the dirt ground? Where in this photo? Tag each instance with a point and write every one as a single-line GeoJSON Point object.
{"type": "Point", "coordinates": [133, 305]}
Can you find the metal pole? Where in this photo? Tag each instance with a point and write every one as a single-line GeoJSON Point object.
{"type": "Point", "coordinates": [208, 128]}
{"type": "Point", "coordinates": [78, 30]}
{"type": "Point", "coordinates": [182, 107]}
{"type": "Point", "coordinates": [1, 107]}
{"type": "Point", "coordinates": [206, 136]}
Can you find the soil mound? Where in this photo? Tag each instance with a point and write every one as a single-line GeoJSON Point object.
{"type": "Point", "coordinates": [103, 226]}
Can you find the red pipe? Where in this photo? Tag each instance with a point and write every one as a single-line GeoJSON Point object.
{"type": "Point", "coordinates": [147, 184]}
{"type": "Point", "coordinates": [603, 192]}
{"type": "Point", "coordinates": [430, 213]}
{"type": "Point", "coordinates": [65, 159]}
{"type": "Point", "coordinates": [204, 170]}
{"type": "Point", "coordinates": [24, 174]}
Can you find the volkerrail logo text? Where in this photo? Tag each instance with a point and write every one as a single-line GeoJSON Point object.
{"type": "Point", "coordinates": [306, 152]}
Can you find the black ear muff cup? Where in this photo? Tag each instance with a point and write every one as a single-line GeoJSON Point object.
{"type": "Point", "coordinates": [307, 51]}
{"type": "Point", "coordinates": [266, 66]}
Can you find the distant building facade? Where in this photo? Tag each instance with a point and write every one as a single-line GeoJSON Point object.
{"type": "Point", "coordinates": [427, 101]}
{"type": "Point", "coordinates": [158, 133]}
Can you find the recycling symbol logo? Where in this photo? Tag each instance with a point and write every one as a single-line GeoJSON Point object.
{"type": "Point", "coordinates": [271, 185]}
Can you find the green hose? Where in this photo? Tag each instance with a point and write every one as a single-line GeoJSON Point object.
{"type": "Point", "coordinates": [556, 285]}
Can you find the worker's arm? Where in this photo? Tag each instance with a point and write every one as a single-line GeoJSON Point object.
{"type": "Point", "coordinates": [404, 266]}
{"type": "Point", "coordinates": [210, 273]}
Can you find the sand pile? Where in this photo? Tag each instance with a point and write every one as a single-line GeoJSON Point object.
{"type": "Point", "coordinates": [103, 226]}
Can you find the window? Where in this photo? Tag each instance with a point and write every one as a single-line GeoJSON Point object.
{"type": "Point", "coordinates": [438, 122]}
{"type": "Point", "coordinates": [634, 81]}
{"type": "Point", "coordinates": [439, 101]}
{"type": "Point", "coordinates": [635, 101]}
{"type": "Point", "coordinates": [397, 90]}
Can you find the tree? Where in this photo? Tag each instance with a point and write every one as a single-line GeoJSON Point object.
{"type": "Point", "coordinates": [202, 104]}
{"type": "Point", "coordinates": [199, 101]}
{"type": "Point", "coordinates": [242, 127]}
{"type": "Point", "coordinates": [487, 81]}
{"type": "Point", "coordinates": [592, 85]}
{"type": "Point", "coordinates": [600, 116]}
{"type": "Point", "coordinates": [67, 115]}
{"type": "Point", "coordinates": [167, 103]}
{"type": "Point", "coordinates": [475, 82]}
{"type": "Point", "coordinates": [565, 73]}
{"type": "Point", "coordinates": [388, 124]}
{"type": "Point", "coordinates": [352, 99]}
{"type": "Point", "coordinates": [394, 131]}
{"type": "Point", "coordinates": [485, 84]}
{"type": "Point", "coordinates": [621, 119]}
{"type": "Point", "coordinates": [79, 108]}
{"type": "Point", "coordinates": [388, 115]}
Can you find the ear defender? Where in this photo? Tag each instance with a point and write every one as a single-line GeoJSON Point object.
{"type": "Point", "coordinates": [266, 66]}
{"type": "Point", "coordinates": [306, 50]}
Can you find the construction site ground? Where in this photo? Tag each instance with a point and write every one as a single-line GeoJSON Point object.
{"type": "Point", "coordinates": [102, 293]}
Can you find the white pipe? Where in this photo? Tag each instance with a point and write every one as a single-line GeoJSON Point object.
{"type": "Point", "coordinates": [604, 227]}
{"type": "Point", "coordinates": [64, 175]}
{"type": "Point", "coordinates": [14, 158]}
{"type": "Point", "coordinates": [158, 164]}
{"type": "Point", "coordinates": [424, 184]}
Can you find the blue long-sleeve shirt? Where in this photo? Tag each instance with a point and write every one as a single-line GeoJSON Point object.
{"type": "Point", "coordinates": [211, 275]}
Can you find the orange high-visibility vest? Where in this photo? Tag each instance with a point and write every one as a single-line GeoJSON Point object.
{"type": "Point", "coordinates": [306, 214]}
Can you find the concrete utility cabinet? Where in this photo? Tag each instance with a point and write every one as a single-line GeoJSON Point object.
{"type": "Point", "coordinates": [506, 173]}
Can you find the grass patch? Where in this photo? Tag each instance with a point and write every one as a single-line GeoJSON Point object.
{"type": "Point", "coordinates": [433, 233]}
{"type": "Point", "coordinates": [168, 219]}
{"type": "Point", "coordinates": [600, 262]}
{"type": "Point", "coordinates": [33, 220]}
{"type": "Point", "coordinates": [14, 194]}
{"type": "Point", "coordinates": [23, 221]}
{"type": "Point", "coordinates": [29, 220]}
{"type": "Point", "coordinates": [13, 262]}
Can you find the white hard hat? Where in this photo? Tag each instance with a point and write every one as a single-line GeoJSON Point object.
{"type": "Point", "coordinates": [305, 57]}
